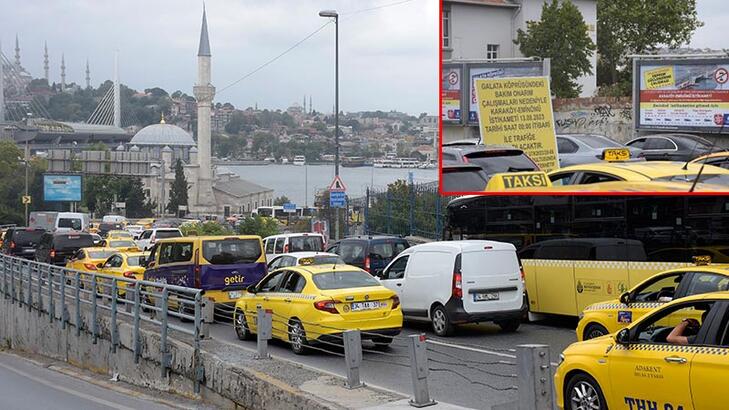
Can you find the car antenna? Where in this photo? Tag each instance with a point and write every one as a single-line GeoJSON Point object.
{"type": "Point", "coordinates": [703, 164]}
{"type": "Point", "coordinates": [696, 144]}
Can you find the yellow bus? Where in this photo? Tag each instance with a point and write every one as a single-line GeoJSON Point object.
{"type": "Point", "coordinates": [579, 250]}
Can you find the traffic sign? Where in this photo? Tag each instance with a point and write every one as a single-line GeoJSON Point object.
{"type": "Point", "coordinates": [721, 75]}
{"type": "Point", "coordinates": [337, 199]}
{"type": "Point", "coordinates": [337, 185]}
{"type": "Point", "coordinates": [26, 199]}
{"type": "Point", "coordinates": [289, 207]}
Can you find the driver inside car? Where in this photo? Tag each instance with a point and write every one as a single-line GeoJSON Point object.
{"type": "Point", "coordinates": [685, 332]}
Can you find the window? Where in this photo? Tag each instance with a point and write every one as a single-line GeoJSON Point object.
{"type": "Point", "coordinates": [271, 282]}
{"type": "Point", "coordinates": [397, 269]}
{"type": "Point", "coordinates": [637, 143]}
{"type": "Point", "coordinates": [231, 251]}
{"type": "Point", "coordinates": [565, 146]}
{"type": "Point", "coordinates": [706, 282]}
{"type": "Point", "coordinates": [146, 235]}
{"type": "Point", "coordinates": [662, 288]}
{"type": "Point", "coordinates": [306, 243]}
{"type": "Point", "coordinates": [175, 252]}
{"type": "Point", "coordinates": [594, 178]}
{"type": "Point", "coordinates": [269, 245]}
{"type": "Point", "coordinates": [294, 284]}
{"type": "Point", "coordinates": [353, 251]}
{"type": "Point", "coordinates": [660, 143]}
{"type": "Point", "coordinates": [561, 178]}
{"type": "Point", "coordinates": [73, 223]}
{"type": "Point", "coordinates": [280, 245]}
{"type": "Point", "coordinates": [446, 27]}
{"type": "Point", "coordinates": [114, 262]}
{"type": "Point", "coordinates": [492, 51]}
{"type": "Point", "coordinates": [656, 328]}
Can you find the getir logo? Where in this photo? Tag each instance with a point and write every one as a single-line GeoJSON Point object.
{"type": "Point", "coordinates": [232, 280]}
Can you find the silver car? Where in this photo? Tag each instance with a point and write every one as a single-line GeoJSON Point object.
{"type": "Point", "coordinates": [577, 149]}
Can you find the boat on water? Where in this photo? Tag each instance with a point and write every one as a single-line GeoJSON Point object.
{"type": "Point", "coordinates": [352, 162]}
{"type": "Point", "coordinates": [284, 161]}
{"type": "Point", "coordinates": [270, 159]}
{"type": "Point", "coordinates": [300, 160]}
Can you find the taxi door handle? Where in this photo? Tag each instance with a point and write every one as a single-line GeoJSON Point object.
{"type": "Point", "coordinates": [287, 300]}
{"type": "Point", "coordinates": [675, 359]}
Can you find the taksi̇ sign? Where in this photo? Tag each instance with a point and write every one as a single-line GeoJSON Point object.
{"type": "Point", "coordinates": [518, 112]}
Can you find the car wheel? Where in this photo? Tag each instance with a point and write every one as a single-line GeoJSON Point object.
{"type": "Point", "coordinates": [297, 337]}
{"type": "Point", "coordinates": [594, 330]}
{"type": "Point", "coordinates": [382, 343]}
{"type": "Point", "coordinates": [509, 326]}
{"type": "Point", "coordinates": [442, 325]}
{"type": "Point", "coordinates": [584, 393]}
{"type": "Point", "coordinates": [241, 326]}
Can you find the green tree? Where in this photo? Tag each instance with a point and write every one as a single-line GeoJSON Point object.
{"type": "Point", "coordinates": [178, 191]}
{"type": "Point", "coordinates": [12, 183]}
{"type": "Point", "coordinates": [258, 225]}
{"type": "Point", "coordinates": [561, 35]}
{"type": "Point", "coordinates": [204, 228]}
{"type": "Point", "coordinates": [283, 199]}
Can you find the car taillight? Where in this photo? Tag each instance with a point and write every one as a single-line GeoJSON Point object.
{"type": "Point", "coordinates": [90, 266]}
{"type": "Point", "coordinates": [367, 264]}
{"type": "Point", "coordinates": [395, 301]}
{"type": "Point", "coordinates": [326, 306]}
{"type": "Point", "coordinates": [457, 290]}
{"type": "Point", "coordinates": [521, 273]}
{"type": "Point", "coordinates": [129, 274]}
{"type": "Point", "coordinates": [52, 253]}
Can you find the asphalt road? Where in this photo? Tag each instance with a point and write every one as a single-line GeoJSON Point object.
{"type": "Point", "coordinates": [464, 373]}
{"type": "Point", "coordinates": [26, 386]}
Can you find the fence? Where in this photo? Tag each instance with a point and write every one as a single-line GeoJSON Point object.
{"type": "Point", "coordinates": [530, 374]}
{"type": "Point", "coordinates": [406, 209]}
{"type": "Point", "coordinates": [59, 292]}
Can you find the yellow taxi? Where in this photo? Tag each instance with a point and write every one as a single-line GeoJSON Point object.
{"type": "Point", "coordinates": [610, 316]}
{"type": "Point", "coordinates": [118, 234]}
{"type": "Point", "coordinates": [125, 264]}
{"type": "Point", "coordinates": [126, 245]}
{"type": "Point", "coordinates": [515, 181]}
{"type": "Point", "coordinates": [654, 363]}
{"type": "Point", "coordinates": [87, 259]}
{"type": "Point", "coordinates": [718, 159]}
{"type": "Point", "coordinates": [317, 303]}
{"type": "Point", "coordinates": [642, 171]}
{"type": "Point", "coordinates": [146, 222]}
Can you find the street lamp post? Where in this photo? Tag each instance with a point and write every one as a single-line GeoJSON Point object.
{"type": "Point", "coordinates": [333, 14]}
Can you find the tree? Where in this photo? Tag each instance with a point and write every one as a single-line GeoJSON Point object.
{"type": "Point", "coordinates": [204, 228]}
{"type": "Point", "coordinates": [283, 199]}
{"type": "Point", "coordinates": [258, 225]}
{"type": "Point", "coordinates": [178, 191]}
{"type": "Point", "coordinates": [561, 35]}
{"type": "Point", "coordinates": [626, 27]}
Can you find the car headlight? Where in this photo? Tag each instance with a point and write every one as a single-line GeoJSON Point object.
{"type": "Point", "coordinates": [581, 315]}
{"type": "Point", "coordinates": [561, 358]}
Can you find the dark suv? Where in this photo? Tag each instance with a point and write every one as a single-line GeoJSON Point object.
{"type": "Point", "coordinates": [22, 241]}
{"type": "Point", "coordinates": [55, 248]}
{"type": "Point", "coordinates": [371, 253]}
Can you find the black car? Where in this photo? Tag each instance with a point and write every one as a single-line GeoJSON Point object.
{"type": "Point", "coordinates": [671, 147]}
{"type": "Point", "coordinates": [371, 253]}
{"type": "Point", "coordinates": [105, 227]}
{"type": "Point", "coordinates": [463, 178]}
{"type": "Point", "coordinates": [56, 247]}
{"type": "Point", "coordinates": [22, 241]}
{"type": "Point", "coordinates": [493, 159]}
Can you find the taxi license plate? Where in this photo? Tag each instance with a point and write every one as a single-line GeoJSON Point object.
{"type": "Point", "coordinates": [235, 295]}
{"type": "Point", "coordinates": [479, 297]}
{"type": "Point", "coordinates": [358, 306]}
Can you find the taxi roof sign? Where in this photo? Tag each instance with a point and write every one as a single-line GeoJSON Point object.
{"type": "Point", "coordinates": [337, 185]}
{"type": "Point", "coordinates": [518, 180]}
{"type": "Point", "coordinates": [616, 154]}
{"type": "Point", "coordinates": [702, 260]}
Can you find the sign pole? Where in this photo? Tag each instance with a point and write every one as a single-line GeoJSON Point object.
{"type": "Point", "coordinates": [27, 156]}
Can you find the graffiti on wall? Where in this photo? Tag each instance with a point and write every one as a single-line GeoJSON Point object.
{"type": "Point", "coordinates": [614, 121]}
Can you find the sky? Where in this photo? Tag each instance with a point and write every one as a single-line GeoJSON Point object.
{"type": "Point", "coordinates": [388, 57]}
{"type": "Point", "coordinates": [714, 14]}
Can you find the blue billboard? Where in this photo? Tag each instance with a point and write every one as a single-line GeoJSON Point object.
{"type": "Point", "coordinates": [62, 188]}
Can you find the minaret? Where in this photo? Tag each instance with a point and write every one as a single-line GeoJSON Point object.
{"type": "Point", "coordinates": [117, 92]}
{"type": "Point", "coordinates": [2, 89]}
{"type": "Point", "coordinates": [88, 74]}
{"type": "Point", "coordinates": [63, 73]}
{"type": "Point", "coordinates": [17, 51]}
{"type": "Point", "coordinates": [303, 107]}
{"type": "Point", "coordinates": [204, 93]}
{"type": "Point", "coordinates": [46, 67]}
{"type": "Point", "coordinates": [310, 109]}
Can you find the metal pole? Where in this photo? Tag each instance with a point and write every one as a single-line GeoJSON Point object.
{"type": "Point", "coordinates": [419, 371]}
{"type": "Point", "coordinates": [27, 158]}
{"type": "Point", "coordinates": [62, 286]}
{"type": "Point", "coordinates": [264, 322]}
{"type": "Point", "coordinates": [114, 327]}
{"type": "Point", "coordinates": [411, 189]}
{"type": "Point", "coordinates": [30, 286]}
{"type": "Point", "coordinates": [336, 94]}
{"type": "Point", "coordinates": [353, 357]}
{"type": "Point", "coordinates": [199, 332]}
{"type": "Point", "coordinates": [135, 331]}
{"type": "Point", "coordinates": [51, 306]}
{"type": "Point", "coordinates": [78, 303]}
{"type": "Point", "coordinates": [164, 359]}
{"type": "Point", "coordinates": [306, 186]}
{"type": "Point", "coordinates": [94, 330]}
{"type": "Point", "coordinates": [535, 377]}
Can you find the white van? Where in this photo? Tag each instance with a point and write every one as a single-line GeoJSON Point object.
{"type": "Point", "coordinates": [292, 242]}
{"type": "Point", "coordinates": [457, 282]}
{"type": "Point", "coordinates": [53, 221]}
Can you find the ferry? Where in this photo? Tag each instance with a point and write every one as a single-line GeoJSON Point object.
{"type": "Point", "coordinates": [299, 160]}
{"type": "Point", "coordinates": [284, 161]}
{"type": "Point", "coordinates": [351, 162]}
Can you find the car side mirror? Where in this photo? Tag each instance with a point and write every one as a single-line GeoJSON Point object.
{"type": "Point", "coordinates": [100, 265]}
{"type": "Point", "coordinates": [379, 273]}
{"type": "Point", "coordinates": [625, 298]}
{"type": "Point", "coordinates": [251, 289]}
{"type": "Point", "coordinates": [622, 337]}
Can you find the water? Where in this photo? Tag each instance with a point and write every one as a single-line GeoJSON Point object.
{"type": "Point", "coordinates": [291, 180]}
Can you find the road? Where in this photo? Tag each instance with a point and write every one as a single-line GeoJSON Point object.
{"type": "Point", "coordinates": [28, 386]}
{"type": "Point", "coordinates": [485, 345]}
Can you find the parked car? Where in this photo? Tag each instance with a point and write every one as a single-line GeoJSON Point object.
{"type": "Point", "coordinates": [57, 247]}
{"type": "Point", "coordinates": [21, 241]}
{"type": "Point", "coordinates": [670, 147]}
{"type": "Point", "coordinates": [463, 178]}
{"type": "Point", "coordinates": [148, 238]}
{"type": "Point", "coordinates": [577, 149]}
{"type": "Point", "coordinates": [457, 282]}
{"type": "Point", "coordinates": [304, 259]}
{"type": "Point", "coordinates": [292, 242]}
{"type": "Point", "coordinates": [371, 253]}
{"type": "Point", "coordinates": [493, 159]}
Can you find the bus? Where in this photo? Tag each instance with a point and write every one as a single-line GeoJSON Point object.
{"type": "Point", "coordinates": [579, 250]}
{"type": "Point", "coordinates": [279, 213]}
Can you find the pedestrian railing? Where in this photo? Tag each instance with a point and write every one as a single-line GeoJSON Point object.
{"type": "Point", "coordinates": [59, 293]}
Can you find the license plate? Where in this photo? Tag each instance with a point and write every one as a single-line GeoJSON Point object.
{"type": "Point", "coordinates": [235, 295]}
{"type": "Point", "coordinates": [357, 306]}
{"type": "Point", "coordinates": [479, 297]}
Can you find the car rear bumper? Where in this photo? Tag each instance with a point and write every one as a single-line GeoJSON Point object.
{"type": "Point", "coordinates": [457, 314]}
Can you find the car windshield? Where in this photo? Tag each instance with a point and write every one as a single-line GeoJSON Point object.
{"type": "Point", "coordinates": [232, 250]}
{"type": "Point", "coordinates": [168, 234]}
{"type": "Point", "coordinates": [353, 251]}
{"type": "Point", "coordinates": [466, 180]}
{"type": "Point", "coordinates": [72, 241]}
{"type": "Point", "coordinates": [73, 223]}
{"type": "Point", "coordinates": [22, 238]}
{"type": "Point", "coordinates": [122, 244]}
{"type": "Point", "coordinates": [344, 280]}
{"type": "Point", "coordinates": [306, 244]}
{"type": "Point", "coordinates": [494, 162]}
{"type": "Point", "coordinates": [598, 141]}
{"type": "Point", "coordinates": [100, 254]}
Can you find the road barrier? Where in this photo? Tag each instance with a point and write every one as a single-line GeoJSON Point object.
{"type": "Point", "coordinates": [45, 288]}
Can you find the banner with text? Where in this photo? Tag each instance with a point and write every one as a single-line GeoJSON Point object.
{"type": "Point", "coordinates": [518, 112]}
{"type": "Point", "coordinates": [683, 96]}
{"type": "Point", "coordinates": [450, 93]}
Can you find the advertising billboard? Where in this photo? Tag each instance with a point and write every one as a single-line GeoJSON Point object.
{"type": "Point", "coordinates": [62, 188]}
{"type": "Point", "coordinates": [690, 95]}
{"type": "Point", "coordinates": [450, 93]}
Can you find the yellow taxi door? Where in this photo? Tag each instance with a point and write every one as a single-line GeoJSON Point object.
{"type": "Point", "coordinates": [650, 373]}
{"type": "Point", "coordinates": [292, 302]}
{"type": "Point", "coordinates": [710, 364]}
{"type": "Point", "coordinates": [268, 298]}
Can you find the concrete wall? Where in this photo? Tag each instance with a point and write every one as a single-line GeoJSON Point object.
{"type": "Point", "coordinates": [473, 27]}
{"type": "Point", "coordinates": [608, 116]}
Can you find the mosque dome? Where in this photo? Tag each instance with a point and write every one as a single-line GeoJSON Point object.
{"type": "Point", "coordinates": [163, 134]}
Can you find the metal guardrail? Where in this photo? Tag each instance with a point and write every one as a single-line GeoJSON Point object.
{"type": "Point", "coordinates": [44, 288]}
